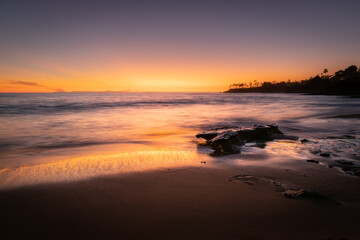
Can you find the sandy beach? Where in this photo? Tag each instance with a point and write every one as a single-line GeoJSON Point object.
{"type": "Point", "coordinates": [185, 203]}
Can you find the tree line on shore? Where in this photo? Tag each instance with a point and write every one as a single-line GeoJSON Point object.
{"type": "Point", "coordinates": [342, 82]}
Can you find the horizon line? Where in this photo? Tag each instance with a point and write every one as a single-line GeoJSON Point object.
{"type": "Point", "coordinates": [56, 92]}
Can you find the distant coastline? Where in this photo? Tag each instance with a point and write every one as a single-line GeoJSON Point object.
{"type": "Point", "coordinates": [344, 82]}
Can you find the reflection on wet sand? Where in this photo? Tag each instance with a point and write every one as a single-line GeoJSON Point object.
{"type": "Point", "coordinates": [286, 147]}
{"type": "Point", "coordinates": [97, 165]}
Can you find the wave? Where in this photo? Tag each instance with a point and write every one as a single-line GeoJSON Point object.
{"type": "Point", "coordinates": [77, 106]}
{"type": "Point", "coordinates": [62, 144]}
{"type": "Point", "coordinates": [57, 103]}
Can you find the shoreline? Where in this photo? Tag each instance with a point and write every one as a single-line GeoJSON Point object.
{"type": "Point", "coordinates": [184, 203]}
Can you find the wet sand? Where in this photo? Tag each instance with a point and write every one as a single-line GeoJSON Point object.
{"type": "Point", "coordinates": [185, 203]}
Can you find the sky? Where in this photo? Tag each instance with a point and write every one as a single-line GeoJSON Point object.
{"type": "Point", "coordinates": [108, 45]}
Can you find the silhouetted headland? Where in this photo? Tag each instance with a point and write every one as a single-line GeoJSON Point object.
{"type": "Point", "coordinates": [343, 82]}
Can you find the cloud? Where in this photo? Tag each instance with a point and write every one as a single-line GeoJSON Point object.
{"type": "Point", "coordinates": [34, 84]}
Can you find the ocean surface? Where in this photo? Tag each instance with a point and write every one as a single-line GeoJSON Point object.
{"type": "Point", "coordinates": [74, 132]}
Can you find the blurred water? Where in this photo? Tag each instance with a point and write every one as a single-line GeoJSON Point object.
{"type": "Point", "coordinates": [34, 126]}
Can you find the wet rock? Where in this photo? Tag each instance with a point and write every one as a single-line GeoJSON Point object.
{"type": "Point", "coordinates": [344, 162]}
{"type": "Point", "coordinates": [312, 161]}
{"type": "Point", "coordinates": [355, 171]}
{"type": "Point", "coordinates": [289, 191]}
{"type": "Point", "coordinates": [255, 132]}
{"type": "Point", "coordinates": [226, 142]}
{"type": "Point", "coordinates": [228, 139]}
{"type": "Point", "coordinates": [325, 154]}
{"type": "Point", "coordinates": [315, 152]}
{"type": "Point", "coordinates": [342, 137]}
{"type": "Point", "coordinates": [260, 133]}
{"type": "Point", "coordinates": [261, 145]}
{"type": "Point", "coordinates": [347, 137]}
{"type": "Point", "coordinates": [308, 194]}
{"type": "Point", "coordinates": [346, 169]}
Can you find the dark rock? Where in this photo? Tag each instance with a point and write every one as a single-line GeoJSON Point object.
{"type": "Point", "coordinates": [346, 169]}
{"type": "Point", "coordinates": [260, 132]}
{"type": "Point", "coordinates": [287, 137]}
{"type": "Point", "coordinates": [307, 194]}
{"type": "Point", "coordinates": [355, 171]}
{"type": "Point", "coordinates": [228, 139]}
{"type": "Point", "coordinates": [344, 162]}
{"type": "Point", "coordinates": [347, 137]}
{"type": "Point", "coordinates": [208, 135]}
{"type": "Point", "coordinates": [325, 154]}
{"type": "Point", "coordinates": [315, 152]}
{"type": "Point", "coordinates": [342, 137]}
{"type": "Point", "coordinates": [261, 145]}
{"type": "Point", "coordinates": [250, 134]}
{"type": "Point", "coordinates": [226, 142]}
{"type": "Point", "coordinates": [304, 140]}
{"type": "Point", "coordinates": [312, 161]}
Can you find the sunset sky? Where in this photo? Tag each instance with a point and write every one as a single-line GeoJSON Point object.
{"type": "Point", "coordinates": [89, 45]}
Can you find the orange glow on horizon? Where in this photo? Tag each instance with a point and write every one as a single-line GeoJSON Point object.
{"type": "Point", "coordinates": [140, 79]}
{"type": "Point", "coordinates": [140, 72]}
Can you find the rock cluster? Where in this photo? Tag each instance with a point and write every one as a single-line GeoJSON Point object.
{"type": "Point", "coordinates": [229, 139]}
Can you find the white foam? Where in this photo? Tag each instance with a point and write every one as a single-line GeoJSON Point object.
{"type": "Point", "coordinates": [96, 165]}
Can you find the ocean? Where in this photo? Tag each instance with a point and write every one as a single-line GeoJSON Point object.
{"type": "Point", "coordinates": [135, 130]}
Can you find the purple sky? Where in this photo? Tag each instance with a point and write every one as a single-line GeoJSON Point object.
{"type": "Point", "coordinates": [194, 45]}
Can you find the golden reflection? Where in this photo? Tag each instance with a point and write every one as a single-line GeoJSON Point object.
{"type": "Point", "coordinates": [164, 133]}
{"type": "Point", "coordinates": [97, 165]}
